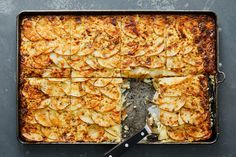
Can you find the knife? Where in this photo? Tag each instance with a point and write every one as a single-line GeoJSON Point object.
{"type": "Point", "coordinates": [138, 136]}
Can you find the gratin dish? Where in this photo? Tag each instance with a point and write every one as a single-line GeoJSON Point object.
{"type": "Point", "coordinates": [123, 76]}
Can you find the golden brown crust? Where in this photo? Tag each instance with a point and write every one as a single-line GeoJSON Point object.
{"type": "Point", "coordinates": [64, 61]}
{"type": "Point", "coordinates": [184, 107]}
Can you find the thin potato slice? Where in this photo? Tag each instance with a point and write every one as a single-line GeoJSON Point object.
{"type": "Point", "coordinates": [192, 117]}
{"type": "Point", "coordinates": [76, 89]}
{"type": "Point", "coordinates": [51, 133]}
{"type": "Point", "coordinates": [100, 82]}
{"type": "Point", "coordinates": [92, 101]}
{"type": "Point", "coordinates": [60, 61]}
{"type": "Point", "coordinates": [169, 118]}
{"type": "Point", "coordinates": [95, 133]}
{"type": "Point", "coordinates": [177, 133]}
{"type": "Point", "coordinates": [76, 103]}
{"type": "Point", "coordinates": [170, 103]}
{"type": "Point", "coordinates": [201, 131]}
{"type": "Point", "coordinates": [111, 62]}
{"type": "Point", "coordinates": [104, 120]}
{"type": "Point", "coordinates": [89, 88]}
{"type": "Point", "coordinates": [64, 47]}
{"type": "Point", "coordinates": [42, 117]}
{"type": "Point", "coordinates": [29, 30]}
{"type": "Point", "coordinates": [111, 91]}
{"type": "Point", "coordinates": [86, 116]}
{"type": "Point", "coordinates": [45, 29]}
{"type": "Point", "coordinates": [107, 104]}
{"type": "Point", "coordinates": [33, 136]}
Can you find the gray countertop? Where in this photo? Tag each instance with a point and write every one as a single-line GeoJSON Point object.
{"type": "Point", "coordinates": [224, 147]}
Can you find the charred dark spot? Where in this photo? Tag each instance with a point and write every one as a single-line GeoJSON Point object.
{"type": "Point", "coordinates": [78, 19]}
{"type": "Point", "coordinates": [62, 18]}
{"type": "Point", "coordinates": [113, 21]}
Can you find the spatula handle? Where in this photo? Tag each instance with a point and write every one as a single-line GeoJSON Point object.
{"type": "Point", "coordinates": [125, 145]}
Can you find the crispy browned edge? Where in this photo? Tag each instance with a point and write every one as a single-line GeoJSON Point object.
{"type": "Point", "coordinates": [207, 46]}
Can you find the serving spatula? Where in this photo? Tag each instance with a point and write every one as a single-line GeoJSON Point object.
{"type": "Point", "coordinates": [138, 136]}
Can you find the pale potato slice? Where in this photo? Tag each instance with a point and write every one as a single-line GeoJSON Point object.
{"type": "Point", "coordinates": [194, 103]}
{"type": "Point", "coordinates": [152, 61]}
{"type": "Point", "coordinates": [28, 49]}
{"type": "Point", "coordinates": [172, 52]}
{"type": "Point", "coordinates": [59, 60]}
{"type": "Point", "coordinates": [169, 118]}
{"type": "Point", "coordinates": [171, 92]}
{"type": "Point", "coordinates": [106, 53]}
{"type": "Point", "coordinates": [76, 103]}
{"type": "Point", "coordinates": [170, 103]}
{"type": "Point", "coordinates": [42, 117]}
{"type": "Point", "coordinates": [117, 80]}
{"type": "Point", "coordinates": [92, 62]}
{"type": "Point", "coordinates": [95, 133]}
{"type": "Point", "coordinates": [82, 48]}
{"type": "Point", "coordinates": [54, 117]}
{"type": "Point", "coordinates": [112, 91]}
{"type": "Point", "coordinates": [33, 136]}
{"type": "Point", "coordinates": [169, 81]}
{"type": "Point", "coordinates": [80, 65]}
{"type": "Point", "coordinates": [80, 79]}
{"type": "Point", "coordinates": [100, 82]}
{"type": "Point", "coordinates": [174, 62]}
{"type": "Point", "coordinates": [82, 130]}
{"type": "Point", "coordinates": [45, 29]}
{"type": "Point", "coordinates": [56, 103]}
{"type": "Point", "coordinates": [106, 104]}
{"type": "Point", "coordinates": [89, 88]}
{"type": "Point", "coordinates": [192, 117]}
{"type": "Point", "coordinates": [29, 30]}
{"type": "Point", "coordinates": [64, 46]}
{"type": "Point", "coordinates": [193, 60]}
{"type": "Point", "coordinates": [111, 62]}
{"type": "Point", "coordinates": [86, 116]}
{"type": "Point", "coordinates": [104, 120]}
{"type": "Point", "coordinates": [52, 89]}
{"type": "Point", "coordinates": [156, 49]}
{"type": "Point", "coordinates": [51, 132]}
{"type": "Point", "coordinates": [114, 130]}
{"type": "Point", "coordinates": [76, 89]}
{"type": "Point", "coordinates": [177, 133]}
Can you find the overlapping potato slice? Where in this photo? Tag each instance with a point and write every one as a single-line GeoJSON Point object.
{"type": "Point", "coordinates": [95, 133]}
{"type": "Point", "coordinates": [113, 133]}
{"type": "Point", "coordinates": [32, 132]}
{"type": "Point", "coordinates": [192, 117]}
{"type": "Point", "coordinates": [52, 133]}
{"type": "Point", "coordinates": [170, 103]}
{"type": "Point", "coordinates": [169, 118]}
{"type": "Point", "coordinates": [76, 89]}
{"type": "Point", "coordinates": [86, 115]}
{"type": "Point", "coordinates": [45, 29]}
{"type": "Point", "coordinates": [106, 119]}
{"type": "Point", "coordinates": [177, 133]}
{"type": "Point", "coordinates": [112, 91]}
{"type": "Point", "coordinates": [42, 117]}
{"type": "Point", "coordinates": [29, 30]}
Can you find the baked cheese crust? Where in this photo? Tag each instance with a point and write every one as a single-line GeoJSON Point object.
{"type": "Point", "coordinates": [72, 70]}
{"type": "Point", "coordinates": [184, 108]}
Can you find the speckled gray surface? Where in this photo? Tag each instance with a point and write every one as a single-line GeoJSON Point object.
{"type": "Point", "coordinates": [10, 147]}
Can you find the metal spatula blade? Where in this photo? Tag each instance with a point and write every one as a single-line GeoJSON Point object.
{"type": "Point", "coordinates": [125, 145]}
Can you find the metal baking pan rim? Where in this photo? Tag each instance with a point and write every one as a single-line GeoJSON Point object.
{"type": "Point", "coordinates": [94, 12]}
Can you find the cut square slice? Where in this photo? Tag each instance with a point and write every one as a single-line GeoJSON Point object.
{"type": "Point", "coordinates": [183, 103]}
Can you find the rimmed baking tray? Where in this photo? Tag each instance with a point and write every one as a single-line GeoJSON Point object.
{"type": "Point", "coordinates": [213, 85]}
